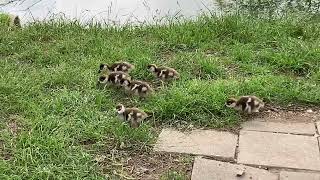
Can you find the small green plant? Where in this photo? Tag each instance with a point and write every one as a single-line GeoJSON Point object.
{"type": "Point", "coordinates": [4, 20]}
{"type": "Point", "coordinates": [173, 175]}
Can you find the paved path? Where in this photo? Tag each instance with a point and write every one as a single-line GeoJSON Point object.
{"type": "Point", "coordinates": [288, 149]}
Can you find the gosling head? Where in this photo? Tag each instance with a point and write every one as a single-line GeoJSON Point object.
{"type": "Point", "coordinates": [103, 68]}
{"type": "Point", "coordinates": [120, 108]}
{"type": "Point", "coordinates": [125, 82]}
{"type": "Point", "coordinates": [152, 67]}
{"type": "Point", "coordinates": [231, 102]}
{"type": "Point", "coordinates": [103, 79]}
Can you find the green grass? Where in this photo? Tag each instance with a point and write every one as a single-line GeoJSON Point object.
{"type": "Point", "coordinates": [173, 175]}
{"type": "Point", "coordinates": [4, 20]}
{"type": "Point", "coordinates": [48, 75]}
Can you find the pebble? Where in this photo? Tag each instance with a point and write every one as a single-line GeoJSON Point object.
{"type": "Point", "coordinates": [240, 172]}
{"type": "Point", "coordinates": [309, 111]}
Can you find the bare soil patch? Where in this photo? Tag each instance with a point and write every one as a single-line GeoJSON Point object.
{"type": "Point", "coordinates": [290, 114]}
{"type": "Point", "coordinates": [146, 166]}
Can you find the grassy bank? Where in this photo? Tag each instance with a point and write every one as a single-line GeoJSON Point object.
{"type": "Point", "coordinates": [54, 119]}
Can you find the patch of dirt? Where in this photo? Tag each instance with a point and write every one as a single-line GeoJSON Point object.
{"type": "Point", "coordinates": [13, 127]}
{"type": "Point", "coordinates": [273, 113]}
{"type": "Point", "coordinates": [14, 124]}
{"type": "Point", "coordinates": [154, 165]}
{"type": "Point", "coordinates": [290, 114]}
{"type": "Point", "coordinates": [87, 142]}
{"type": "Point", "coordinates": [143, 165]}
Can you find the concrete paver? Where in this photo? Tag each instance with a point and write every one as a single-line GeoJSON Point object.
{"type": "Point", "coordinates": [204, 169]}
{"type": "Point", "coordinates": [278, 150]}
{"type": "Point", "coordinates": [284, 175]}
{"type": "Point", "coordinates": [294, 128]}
{"type": "Point", "coordinates": [199, 142]}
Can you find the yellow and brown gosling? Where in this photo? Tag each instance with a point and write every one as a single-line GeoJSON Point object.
{"type": "Point", "coordinates": [163, 73]}
{"type": "Point", "coordinates": [118, 66]}
{"type": "Point", "coordinates": [113, 78]}
{"type": "Point", "coordinates": [247, 104]}
{"type": "Point", "coordinates": [138, 88]}
{"type": "Point", "coordinates": [133, 116]}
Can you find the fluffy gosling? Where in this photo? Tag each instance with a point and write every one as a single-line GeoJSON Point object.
{"type": "Point", "coordinates": [247, 104]}
{"type": "Point", "coordinates": [163, 73]}
{"type": "Point", "coordinates": [138, 88]}
{"type": "Point", "coordinates": [133, 116]}
{"type": "Point", "coordinates": [113, 78]}
{"type": "Point", "coordinates": [118, 66]}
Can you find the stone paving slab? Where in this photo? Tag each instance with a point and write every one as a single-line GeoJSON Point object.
{"type": "Point", "coordinates": [204, 169]}
{"type": "Point", "coordinates": [294, 128]}
{"type": "Point", "coordinates": [284, 175]}
{"type": "Point", "coordinates": [199, 142]}
{"type": "Point", "coordinates": [279, 150]}
{"type": "Point", "coordinates": [318, 126]}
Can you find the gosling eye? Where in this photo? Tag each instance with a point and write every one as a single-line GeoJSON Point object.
{"type": "Point", "coordinates": [229, 102]}
{"type": "Point", "coordinates": [102, 78]}
{"type": "Point", "coordinates": [101, 66]}
{"type": "Point", "coordinates": [118, 108]}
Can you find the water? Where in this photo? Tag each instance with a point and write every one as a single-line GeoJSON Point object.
{"type": "Point", "coordinates": [109, 11]}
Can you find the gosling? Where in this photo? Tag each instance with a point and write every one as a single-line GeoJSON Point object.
{"type": "Point", "coordinates": [133, 116]}
{"type": "Point", "coordinates": [247, 104]}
